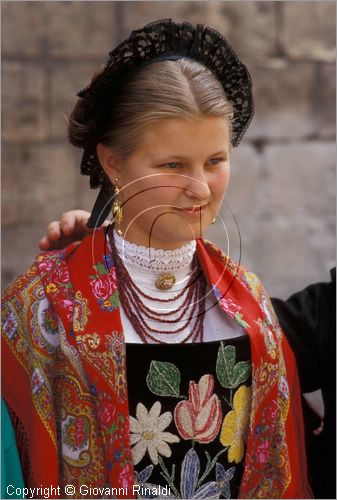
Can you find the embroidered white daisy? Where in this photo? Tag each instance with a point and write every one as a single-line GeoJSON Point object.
{"type": "Point", "coordinates": [147, 433]}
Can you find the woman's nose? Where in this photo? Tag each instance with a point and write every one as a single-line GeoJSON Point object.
{"type": "Point", "coordinates": [197, 187]}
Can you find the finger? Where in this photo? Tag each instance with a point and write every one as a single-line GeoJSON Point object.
{"type": "Point", "coordinates": [74, 220]}
{"type": "Point", "coordinates": [44, 243]}
{"type": "Point", "coordinates": [54, 231]}
{"type": "Point", "coordinates": [68, 222]}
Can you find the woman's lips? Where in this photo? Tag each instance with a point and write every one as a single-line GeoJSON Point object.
{"type": "Point", "coordinates": [193, 211]}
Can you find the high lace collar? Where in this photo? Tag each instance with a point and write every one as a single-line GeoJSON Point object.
{"type": "Point", "coordinates": [138, 257]}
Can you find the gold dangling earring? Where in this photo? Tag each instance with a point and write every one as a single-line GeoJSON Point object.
{"type": "Point", "coordinates": [213, 221]}
{"type": "Point", "coordinates": [117, 213]}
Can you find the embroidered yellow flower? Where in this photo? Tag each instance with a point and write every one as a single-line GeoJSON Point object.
{"type": "Point", "coordinates": [235, 425]}
{"type": "Point", "coordinates": [51, 288]}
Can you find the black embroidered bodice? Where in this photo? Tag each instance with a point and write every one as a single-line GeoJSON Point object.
{"type": "Point", "coordinates": [189, 412]}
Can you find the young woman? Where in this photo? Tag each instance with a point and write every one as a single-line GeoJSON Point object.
{"type": "Point", "coordinates": [148, 362]}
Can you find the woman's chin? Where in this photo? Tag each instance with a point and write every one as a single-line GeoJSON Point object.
{"type": "Point", "coordinates": [174, 239]}
{"type": "Point", "coordinates": [172, 235]}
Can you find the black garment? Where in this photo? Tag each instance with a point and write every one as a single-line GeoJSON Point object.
{"type": "Point", "coordinates": [161, 377]}
{"type": "Point", "coordinates": [308, 319]}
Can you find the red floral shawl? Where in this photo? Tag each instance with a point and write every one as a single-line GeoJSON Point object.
{"type": "Point", "coordinates": [64, 373]}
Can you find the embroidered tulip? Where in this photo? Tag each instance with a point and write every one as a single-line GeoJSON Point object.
{"type": "Point", "coordinates": [199, 417]}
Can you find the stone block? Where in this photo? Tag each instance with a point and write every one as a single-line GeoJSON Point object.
{"type": "Point", "coordinates": [250, 27]}
{"type": "Point", "coordinates": [19, 247]}
{"type": "Point", "coordinates": [24, 101]}
{"type": "Point", "coordinates": [66, 80]}
{"type": "Point", "coordinates": [245, 175]}
{"type": "Point", "coordinates": [39, 183]}
{"type": "Point", "coordinates": [61, 29]}
{"type": "Point", "coordinates": [285, 258]}
{"type": "Point", "coordinates": [324, 100]}
{"type": "Point", "coordinates": [309, 30]}
{"type": "Point", "coordinates": [24, 28]}
{"type": "Point", "coordinates": [283, 101]}
{"type": "Point", "coordinates": [81, 29]}
{"type": "Point", "coordinates": [300, 180]}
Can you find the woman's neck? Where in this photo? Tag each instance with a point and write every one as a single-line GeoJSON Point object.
{"type": "Point", "coordinates": [151, 241]}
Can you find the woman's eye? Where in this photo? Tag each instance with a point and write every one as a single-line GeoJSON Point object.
{"type": "Point", "coordinates": [172, 164]}
{"type": "Point", "coordinates": [215, 161]}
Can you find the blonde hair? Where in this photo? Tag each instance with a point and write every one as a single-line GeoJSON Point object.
{"type": "Point", "coordinates": [165, 89]}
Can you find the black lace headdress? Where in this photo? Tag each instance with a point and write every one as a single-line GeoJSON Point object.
{"type": "Point", "coordinates": [158, 41]}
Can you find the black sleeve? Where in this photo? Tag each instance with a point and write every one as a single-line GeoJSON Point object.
{"type": "Point", "coordinates": [308, 319]}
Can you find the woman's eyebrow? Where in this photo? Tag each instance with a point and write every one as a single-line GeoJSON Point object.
{"type": "Point", "coordinates": [180, 157]}
{"type": "Point", "coordinates": [222, 152]}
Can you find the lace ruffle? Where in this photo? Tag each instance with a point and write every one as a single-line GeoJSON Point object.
{"type": "Point", "coordinates": [154, 260]}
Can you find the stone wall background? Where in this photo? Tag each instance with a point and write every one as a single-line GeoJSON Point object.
{"type": "Point", "coordinates": [282, 189]}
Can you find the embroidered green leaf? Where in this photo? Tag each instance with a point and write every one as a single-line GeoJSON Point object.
{"type": "Point", "coordinates": [101, 268]}
{"type": "Point", "coordinates": [229, 374]}
{"type": "Point", "coordinates": [163, 379]}
{"type": "Point", "coordinates": [241, 372]}
{"type": "Point", "coordinates": [225, 364]}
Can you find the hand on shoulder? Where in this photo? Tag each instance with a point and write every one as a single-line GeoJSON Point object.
{"type": "Point", "coordinates": [71, 227]}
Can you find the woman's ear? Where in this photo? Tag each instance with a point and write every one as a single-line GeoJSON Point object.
{"type": "Point", "coordinates": [109, 161]}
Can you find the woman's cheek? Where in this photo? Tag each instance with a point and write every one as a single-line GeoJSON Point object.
{"type": "Point", "coordinates": [220, 183]}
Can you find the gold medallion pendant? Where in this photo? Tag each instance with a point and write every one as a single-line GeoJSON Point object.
{"type": "Point", "coordinates": [165, 281]}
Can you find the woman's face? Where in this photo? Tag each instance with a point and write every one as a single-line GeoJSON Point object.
{"type": "Point", "coordinates": [173, 185]}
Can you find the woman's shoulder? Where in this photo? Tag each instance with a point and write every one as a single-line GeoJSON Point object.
{"type": "Point", "coordinates": [239, 270]}
{"type": "Point", "coordinates": [245, 276]}
{"type": "Point", "coordinates": [32, 303]}
{"type": "Point", "coordinates": [47, 274]}
{"type": "Point", "coordinates": [34, 276]}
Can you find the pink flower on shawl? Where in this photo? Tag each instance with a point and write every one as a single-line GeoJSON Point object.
{"type": "Point", "coordinates": [126, 476]}
{"type": "Point", "coordinates": [68, 305]}
{"type": "Point", "coordinates": [60, 274]}
{"type": "Point", "coordinates": [103, 287]}
{"type": "Point", "coordinates": [45, 265]}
